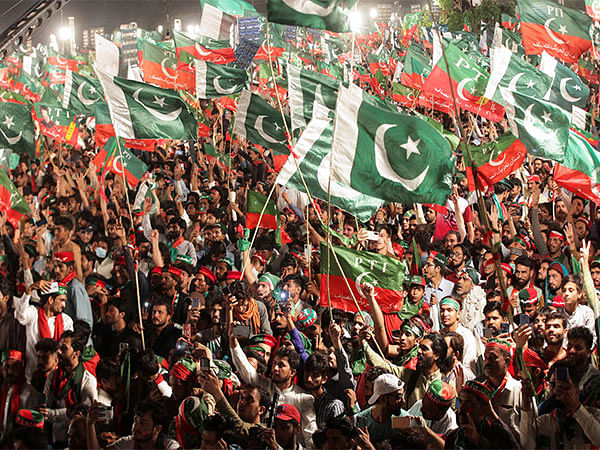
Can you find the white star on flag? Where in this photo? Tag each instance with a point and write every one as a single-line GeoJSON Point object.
{"type": "Point", "coordinates": [8, 121]}
{"type": "Point", "coordinates": [159, 101]}
{"type": "Point", "coordinates": [577, 87]}
{"type": "Point", "coordinates": [546, 117]}
{"type": "Point", "coordinates": [411, 147]}
{"type": "Point", "coordinates": [562, 29]}
{"type": "Point", "coordinates": [92, 90]}
{"type": "Point", "coordinates": [530, 84]}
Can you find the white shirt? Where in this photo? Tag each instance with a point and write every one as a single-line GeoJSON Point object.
{"type": "Point", "coordinates": [27, 315]}
{"type": "Point", "coordinates": [443, 426]}
{"type": "Point", "coordinates": [470, 353]}
{"type": "Point", "coordinates": [583, 316]}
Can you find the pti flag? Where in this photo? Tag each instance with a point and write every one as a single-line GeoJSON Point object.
{"type": "Point", "coordinates": [16, 128]}
{"type": "Point", "coordinates": [81, 94]}
{"type": "Point", "coordinates": [188, 49]}
{"type": "Point", "coordinates": [12, 202]}
{"type": "Point", "coordinates": [578, 172]}
{"type": "Point", "coordinates": [560, 31]}
{"type": "Point", "coordinates": [468, 80]}
{"type": "Point", "coordinates": [158, 64]}
{"type": "Point", "coordinates": [57, 123]}
{"type": "Point", "coordinates": [255, 203]}
{"type": "Point", "coordinates": [384, 273]}
{"type": "Point", "coordinates": [312, 158]}
{"type": "Point", "coordinates": [391, 156]}
{"type": "Point", "coordinates": [494, 161]}
{"type": "Point", "coordinates": [142, 111]}
{"type": "Point", "coordinates": [120, 161]}
{"type": "Point", "coordinates": [323, 14]}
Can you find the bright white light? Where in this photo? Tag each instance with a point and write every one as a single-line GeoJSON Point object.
{"type": "Point", "coordinates": [355, 21]}
{"type": "Point", "coordinates": [64, 33]}
{"type": "Point", "coordinates": [190, 29]}
{"type": "Point", "coordinates": [138, 32]}
{"type": "Point", "coordinates": [159, 29]}
{"type": "Point", "coordinates": [197, 29]}
{"type": "Point", "coordinates": [372, 13]}
{"type": "Point", "coordinates": [53, 42]}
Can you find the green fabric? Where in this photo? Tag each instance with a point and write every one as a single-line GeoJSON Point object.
{"type": "Point", "coordinates": [410, 309]}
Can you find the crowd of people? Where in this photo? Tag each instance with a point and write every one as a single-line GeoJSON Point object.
{"type": "Point", "coordinates": [167, 323]}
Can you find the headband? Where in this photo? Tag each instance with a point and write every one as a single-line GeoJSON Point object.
{"type": "Point", "coordinates": [450, 301]}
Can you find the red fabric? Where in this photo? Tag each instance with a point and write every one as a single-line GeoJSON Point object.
{"type": "Point", "coordinates": [15, 400]}
{"type": "Point", "coordinates": [91, 364]}
{"type": "Point", "coordinates": [44, 329]}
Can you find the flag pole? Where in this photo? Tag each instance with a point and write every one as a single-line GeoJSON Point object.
{"type": "Point", "coordinates": [481, 204]}
{"type": "Point", "coordinates": [137, 282]}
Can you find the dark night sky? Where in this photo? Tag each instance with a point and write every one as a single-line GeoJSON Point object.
{"type": "Point", "coordinates": [108, 13]}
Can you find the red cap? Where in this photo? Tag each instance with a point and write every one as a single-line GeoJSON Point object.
{"type": "Point", "coordinates": [287, 412]}
{"type": "Point", "coordinates": [15, 355]}
{"type": "Point", "coordinates": [64, 257]}
{"type": "Point", "coordinates": [208, 274]}
{"type": "Point", "coordinates": [558, 302]}
{"type": "Point", "coordinates": [260, 258]}
{"type": "Point", "coordinates": [175, 271]}
{"type": "Point", "coordinates": [534, 178]}
{"type": "Point", "coordinates": [233, 275]}
{"type": "Point", "coordinates": [156, 270]}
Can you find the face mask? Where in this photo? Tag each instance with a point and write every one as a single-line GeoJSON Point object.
{"type": "Point", "coordinates": [255, 272]}
{"type": "Point", "coordinates": [100, 252]}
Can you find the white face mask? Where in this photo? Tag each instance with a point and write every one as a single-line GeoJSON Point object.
{"type": "Point", "coordinates": [100, 252]}
{"type": "Point", "coordinates": [255, 272]}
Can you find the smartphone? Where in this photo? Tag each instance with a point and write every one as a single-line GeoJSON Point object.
{"type": "Point", "coordinates": [53, 287]}
{"type": "Point", "coordinates": [204, 364]}
{"type": "Point", "coordinates": [562, 374]}
{"type": "Point", "coordinates": [307, 251]}
{"type": "Point", "coordinates": [232, 196]}
{"type": "Point", "coordinates": [41, 222]}
{"type": "Point", "coordinates": [241, 331]}
{"type": "Point", "coordinates": [523, 319]}
{"type": "Point", "coordinates": [226, 291]}
{"type": "Point", "coordinates": [186, 331]}
{"type": "Point", "coordinates": [105, 413]}
{"type": "Point", "coordinates": [372, 236]}
{"type": "Point", "coordinates": [504, 328]}
{"type": "Point", "coordinates": [403, 422]}
{"type": "Point", "coordinates": [195, 302]}
{"type": "Point", "coordinates": [487, 333]}
{"type": "Point", "coordinates": [123, 346]}
{"type": "Point", "coordinates": [184, 345]}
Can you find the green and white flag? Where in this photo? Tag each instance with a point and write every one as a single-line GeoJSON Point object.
{"type": "Point", "coordinates": [567, 88]}
{"type": "Point", "coordinates": [512, 72]}
{"type": "Point", "coordinates": [233, 7]}
{"type": "Point", "coordinates": [323, 14]}
{"type": "Point", "coordinates": [16, 128]}
{"type": "Point", "coordinates": [142, 111]}
{"type": "Point", "coordinates": [216, 80]}
{"type": "Point", "coordinates": [216, 24]}
{"type": "Point", "coordinates": [305, 89]}
{"type": "Point", "coordinates": [391, 156]}
{"type": "Point", "coordinates": [81, 94]}
{"type": "Point", "coordinates": [260, 123]}
{"type": "Point", "coordinates": [542, 126]}
{"type": "Point", "coordinates": [313, 155]}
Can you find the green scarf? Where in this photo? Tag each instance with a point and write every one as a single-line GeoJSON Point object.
{"type": "Point", "coordinates": [410, 309]}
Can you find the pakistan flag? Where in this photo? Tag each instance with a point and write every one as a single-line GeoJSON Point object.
{"type": "Point", "coordinates": [313, 156]}
{"type": "Point", "coordinates": [16, 128]}
{"type": "Point", "coordinates": [391, 156]}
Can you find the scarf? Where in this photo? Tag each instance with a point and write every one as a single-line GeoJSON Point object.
{"type": "Point", "coordinates": [409, 360]}
{"type": "Point", "coordinates": [89, 358]}
{"type": "Point", "coordinates": [410, 309]}
{"type": "Point", "coordinates": [15, 401]}
{"type": "Point", "coordinates": [66, 280]}
{"type": "Point", "coordinates": [67, 387]}
{"type": "Point", "coordinates": [251, 315]}
{"type": "Point", "coordinates": [44, 328]}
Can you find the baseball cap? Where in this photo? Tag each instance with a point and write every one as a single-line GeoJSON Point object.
{"type": "Point", "coordinates": [287, 412]}
{"type": "Point", "coordinates": [418, 280]}
{"type": "Point", "coordinates": [385, 384]}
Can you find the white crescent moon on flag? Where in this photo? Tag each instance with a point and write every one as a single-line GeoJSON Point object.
{"type": "Point", "coordinates": [565, 94]}
{"type": "Point", "coordinates": [461, 87]}
{"type": "Point", "coordinates": [114, 165]}
{"type": "Point", "coordinates": [337, 189]}
{"type": "Point", "coordinates": [535, 131]}
{"type": "Point", "coordinates": [201, 51]}
{"type": "Point", "coordinates": [258, 125]}
{"type": "Point", "coordinates": [385, 168]}
{"type": "Point", "coordinates": [222, 90]}
{"type": "Point", "coordinates": [81, 97]}
{"type": "Point", "coordinates": [160, 116]}
{"type": "Point", "coordinates": [551, 33]}
{"type": "Point", "coordinates": [494, 162]}
{"type": "Point", "coordinates": [357, 283]}
{"type": "Point", "coordinates": [512, 86]}
{"type": "Point", "coordinates": [164, 69]}
{"type": "Point", "coordinates": [59, 60]}
{"type": "Point", "coordinates": [12, 140]}
{"type": "Point", "coordinates": [596, 7]}
{"type": "Point", "coordinates": [309, 7]}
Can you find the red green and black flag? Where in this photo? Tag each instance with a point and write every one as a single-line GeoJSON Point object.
{"type": "Point", "coordinates": [12, 202]}
{"type": "Point", "coordinates": [255, 202]}
{"type": "Point", "coordinates": [560, 31]}
{"type": "Point", "coordinates": [578, 172]}
{"type": "Point", "coordinates": [386, 274]}
{"type": "Point", "coordinates": [120, 161]}
{"type": "Point", "coordinates": [57, 123]}
{"type": "Point", "coordinates": [494, 161]}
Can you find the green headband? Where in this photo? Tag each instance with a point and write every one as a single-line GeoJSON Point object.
{"type": "Point", "coordinates": [414, 330]}
{"type": "Point", "coordinates": [450, 301]}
